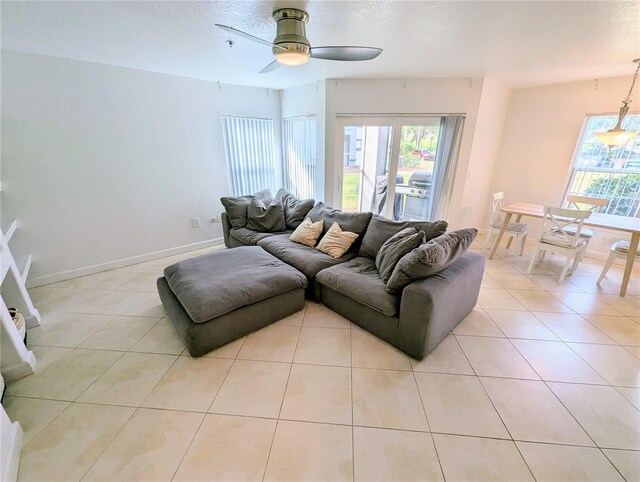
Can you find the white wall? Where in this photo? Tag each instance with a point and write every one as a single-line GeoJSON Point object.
{"type": "Point", "coordinates": [540, 135]}
{"type": "Point", "coordinates": [411, 96]}
{"type": "Point", "coordinates": [309, 99]}
{"type": "Point", "coordinates": [492, 112]}
{"type": "Point", "coordinates": [102, 163]}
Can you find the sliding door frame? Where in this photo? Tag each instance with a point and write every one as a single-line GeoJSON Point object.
{"type": "Point", "coordinates": [395, 121]}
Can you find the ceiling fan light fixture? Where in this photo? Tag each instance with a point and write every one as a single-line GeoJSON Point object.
{"type": "Point", "coordinates": [296, 53]}
{"type": "Point", "coordinates": [292, 58]}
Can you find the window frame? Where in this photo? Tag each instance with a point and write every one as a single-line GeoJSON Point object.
{"type": "Point", "coordinates": [573, 169]}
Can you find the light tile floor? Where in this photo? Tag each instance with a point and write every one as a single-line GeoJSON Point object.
{"type": "Point", "coordinates": [541, 381]}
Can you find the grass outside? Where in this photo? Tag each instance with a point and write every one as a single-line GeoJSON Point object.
{"type": "Point", "coordinates": [351, 184]}
{"type": "Point", "coordinates": [350, 191]}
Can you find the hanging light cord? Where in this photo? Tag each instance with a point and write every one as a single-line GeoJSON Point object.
{"type": "Point", "coordinates": [633, 83]}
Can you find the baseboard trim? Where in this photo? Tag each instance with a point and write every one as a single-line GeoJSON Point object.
{"type": "Point", "coordinates": [120, 263]}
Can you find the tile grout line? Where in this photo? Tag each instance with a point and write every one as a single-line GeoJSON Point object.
{"type": "Point", "coordinates": [426, 416]}
{"type": "Point", "coordinates": [284, 393]}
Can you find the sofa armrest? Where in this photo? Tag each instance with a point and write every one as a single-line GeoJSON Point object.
{"type": "Point", "coordinates": [432, 307]}
{"type": "Point", "coordinates": [226, 228]}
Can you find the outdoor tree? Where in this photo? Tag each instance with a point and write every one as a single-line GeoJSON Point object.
{"type": "Point", "coordinates": [623, 193]}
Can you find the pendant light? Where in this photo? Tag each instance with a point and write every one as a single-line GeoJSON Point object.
{"type": "Point", "coordinates": [618, 136]}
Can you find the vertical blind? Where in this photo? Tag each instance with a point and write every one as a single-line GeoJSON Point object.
{"type": "Point", "coordinates": [250, 153]}
{"type": "Point", "coordinates": [299, 155]}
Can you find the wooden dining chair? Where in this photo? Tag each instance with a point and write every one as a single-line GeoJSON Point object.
{"type": "Point", "coordinates": [556, 238]}
{"type": "Point", "coordinates": [619, 249]}
{"type": "Point", "coordinates": [593, 204]}
{"type": "Point", "coordinates": [514, 230]}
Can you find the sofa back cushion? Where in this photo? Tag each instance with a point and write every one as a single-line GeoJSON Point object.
{"type": "Point", "coordinates": [295, 209]}
{"type": "Point", "coordinates": [266, 218]}
{"type": "Point", "coordinates": [395, 248]}
{"type": "Point", "coordinates": [352, 222]}
{"type": "Point", "coordinates": [380, 229]}
{"type": "Point", "coordinates": [236, 207]}
{"type": "Point", "coordinates": [430, 258]}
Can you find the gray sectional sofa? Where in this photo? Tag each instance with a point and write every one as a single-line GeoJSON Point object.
{"type": "Point", "coordinates": [415, 320]}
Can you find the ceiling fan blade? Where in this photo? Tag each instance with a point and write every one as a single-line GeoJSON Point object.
{"type": "Point", "coordinates": [248, 36]}
{"type": "Point", "coordinates": [271, 67]}
{"type": "Point", "coordinates": [345, 53]}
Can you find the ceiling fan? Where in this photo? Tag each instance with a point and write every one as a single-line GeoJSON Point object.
{"type": "Point", "coordinates": [291, 46]}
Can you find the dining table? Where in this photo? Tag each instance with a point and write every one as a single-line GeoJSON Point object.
{"type": "Point", "coordinates": [613, 222]}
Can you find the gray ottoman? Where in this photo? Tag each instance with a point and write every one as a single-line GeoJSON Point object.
{"type": "Point", "coordinates": [220, 297]}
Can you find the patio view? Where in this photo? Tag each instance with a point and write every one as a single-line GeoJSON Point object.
{"type": "Point", "coordinates": [366, 168]}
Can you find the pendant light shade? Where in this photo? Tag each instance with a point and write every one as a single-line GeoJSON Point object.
{"type": "Point", "coordinates": [618, 136]}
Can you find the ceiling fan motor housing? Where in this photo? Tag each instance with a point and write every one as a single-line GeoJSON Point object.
{"type": "Point", "coordinates": [291, 33]}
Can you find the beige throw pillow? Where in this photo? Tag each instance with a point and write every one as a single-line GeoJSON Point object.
{"type": "Point", "coordinates": [336, 242]}
{"type": "Point", "coordinates": [307, 232]}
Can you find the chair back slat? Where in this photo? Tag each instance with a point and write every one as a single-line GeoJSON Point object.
{"type": "Point", "coordinates": [589, 203]}
{"type": "Point", "coordinates": [496, 208]}
{"type": "Point", "coordinates": [555, 220]}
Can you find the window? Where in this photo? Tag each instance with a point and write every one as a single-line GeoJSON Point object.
{"type": "Point", "coordinates": [250, 154]}
{"type": "Point", "coordinates": [614, 174]}
{"type": "Point", "coordinates": [299, 152]}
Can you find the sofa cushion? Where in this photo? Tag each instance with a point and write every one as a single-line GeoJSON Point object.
{"type": "Point", "coordinates": [352, 222]}
{"type": "Point", "coordinates": [295, 209]}
{"type": "Point", "coordinates": [236, 207]}
{"type": "Point", "coordinates": [307, 233]}
{"type": "Point", "coordinates": [250, 237]}
{"type": "Point", "coordinates": [304, 258]}
{"type": "Point", "coordinates": [394, 248]}
{"type": "Point", "coordinates": [380, 229]}
{"type": "Point", "coordinates": [431, 258]}
{"type": "Point", "coordinates": [359, 279]}
{"type": "Point", "coordinates": [212, 285]}
{"type": "Point", "coordinates": [336, 242]}
{"type": "Point", "coordinates": [266, 218]}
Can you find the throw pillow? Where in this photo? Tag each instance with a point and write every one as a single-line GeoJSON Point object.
{"type": "Point", "coordinates": [430, 258]}
{"type": "Point", "coordinates": [395, 248]}
{"type": "Point", "coordinates": [265, 219]}
{"type": "Point", "coordinates": [236, 207]}
{"type": "Point", "coordinates": [380, 229]}
{"type": "Point", "coordinates": [353, 222]}
{"type": "Point", "coordinates": [336, 242]}
{"type": "Point", "coordinates": [294, 209]}
{"type": "Point", "coordinates": [307, 232]}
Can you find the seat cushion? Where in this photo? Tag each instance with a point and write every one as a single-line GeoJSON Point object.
{"type": "Point", "coordinates": [516, 227]}
{"type": "Point", "coordinates": [250, 237]}
{"type": "Point", "coordinates": [306, 259]}
{"type": "Point", "coordinates": [212, 285]}
{"type": "Point", "coordinates": [359, 280]}
{"type": "Point", "coordinates": [561, 240]}
{"type": "Point", "coordinates": [584, 232]}
{"type": "Point", "coordinates": [623, 247]}
{"type": "Point", "coordinates": [381, 229]}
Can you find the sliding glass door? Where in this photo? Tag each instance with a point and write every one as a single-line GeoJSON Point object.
{"type": "Point", "coordinates": [397, 167]}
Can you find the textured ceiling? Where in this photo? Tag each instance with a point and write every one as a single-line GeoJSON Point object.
{"type": "Point", "coordinates": [517, 43]}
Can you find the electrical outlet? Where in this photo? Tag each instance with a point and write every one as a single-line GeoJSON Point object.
{"type": "Point", "coordinates": [195, 222]}
{"type": "Point", "coordinates": [216, 219]}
